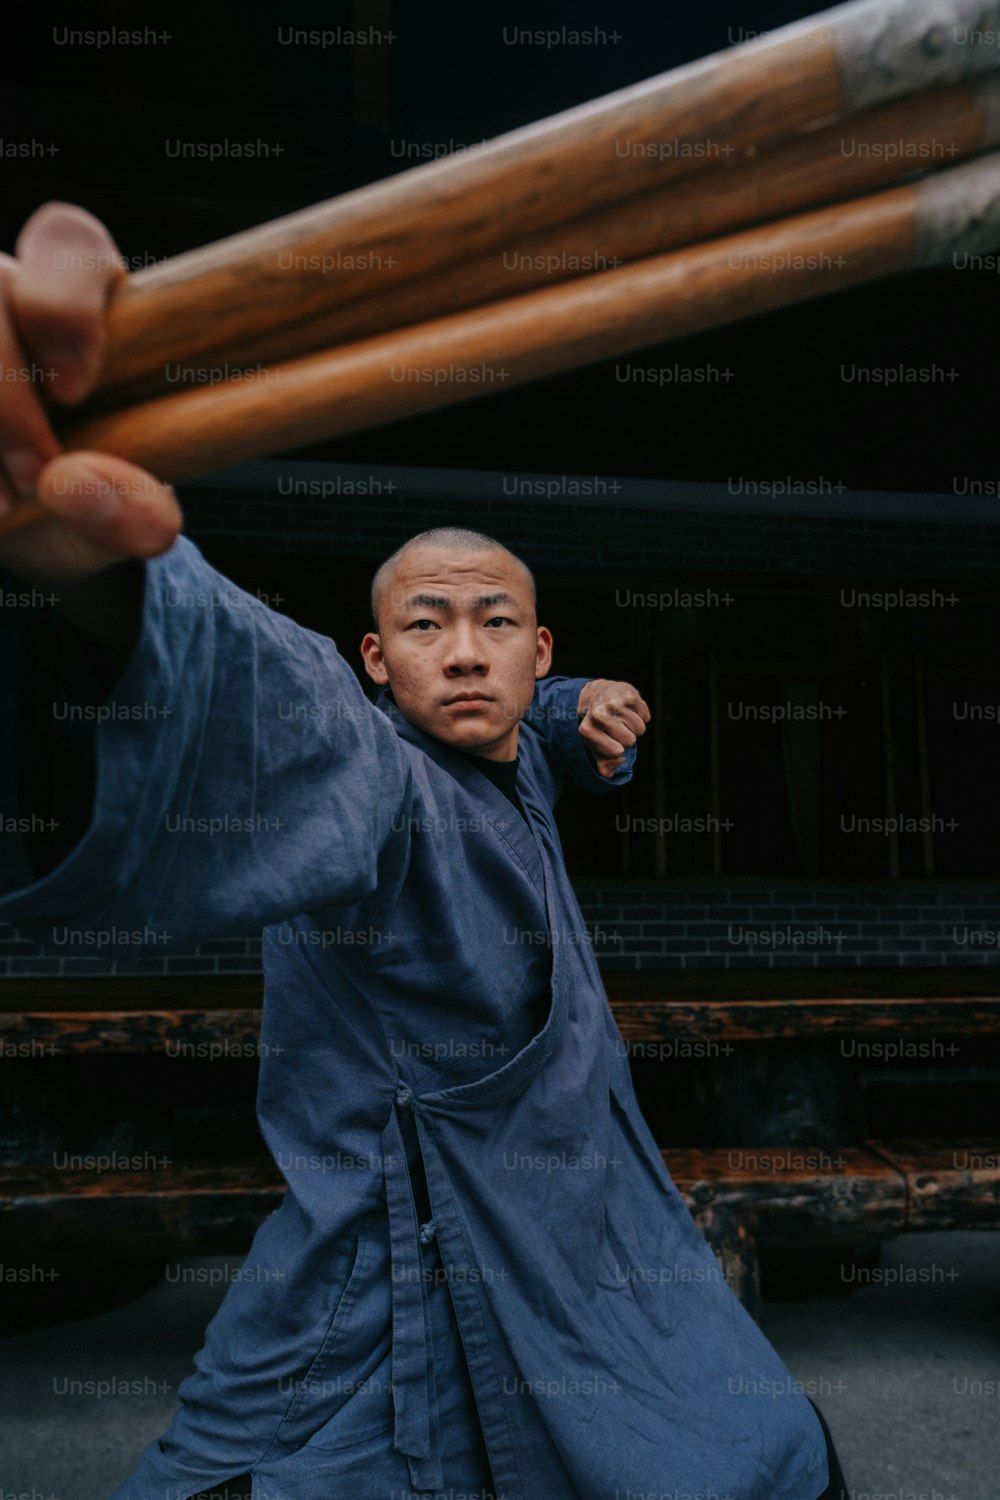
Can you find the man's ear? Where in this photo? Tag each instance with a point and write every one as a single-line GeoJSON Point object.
{"type": "Point", "coordinates": [543, 653]}
{"type": "Point", "coordinates": [371, 651]}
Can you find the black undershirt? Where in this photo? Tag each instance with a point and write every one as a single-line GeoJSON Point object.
{"type": "Point", "coordinates": [503, 774]}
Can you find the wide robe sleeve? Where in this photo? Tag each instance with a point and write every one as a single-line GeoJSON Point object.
{"type": "Point", "coordinates": [238, 773]}
{"type": "Point", "coordinates": [553, 726]}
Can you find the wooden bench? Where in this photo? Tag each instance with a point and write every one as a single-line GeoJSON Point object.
{"type": "Point", "coordinates": [873, 1192]}
{"type": "Point", "coordinates": [745, 1196]}
{"type": "Point", "coordinates": [90, 1015]}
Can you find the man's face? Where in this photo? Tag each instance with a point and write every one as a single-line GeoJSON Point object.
{"type": "Point", "coordinates": [459, 646]}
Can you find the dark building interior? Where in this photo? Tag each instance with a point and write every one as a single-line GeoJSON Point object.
{"type": "Point", "coordinates": [798, 566]}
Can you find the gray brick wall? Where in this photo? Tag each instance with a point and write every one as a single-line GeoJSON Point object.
{"type": "Point", "coordinates": [590, 522]}
{"type": "Point", "coordinates": [724, 925]}
{"type": "Point", "coordinates": [743, 925]}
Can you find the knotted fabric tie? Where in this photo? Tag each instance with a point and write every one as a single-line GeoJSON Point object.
{"type": "Point", "coordinates": [414, 1391]}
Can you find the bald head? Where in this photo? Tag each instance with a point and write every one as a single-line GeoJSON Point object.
{"type": "Point", "coordinates": [443, 539]}
{"type": "Point", "coordinates": [457, 640]}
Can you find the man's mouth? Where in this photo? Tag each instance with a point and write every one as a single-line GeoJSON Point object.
{"type": "Point", "coordinates": [467, 701]}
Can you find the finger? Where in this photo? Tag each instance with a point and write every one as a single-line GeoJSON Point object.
{"type": "Point", "coordinates": [110, 504]}
{"type": "Point", "coordinates": [631, 699]}
{"type": "Point", "coordinates": [631, 719]}
{"type": "Point", "coordinates": [603, 745]}
{"type": "Point", "coordinates": [621, 725]}
{"type": "Point", "coordinates": [608, 767]}
{"type": "Point", "coordinates": [601, 693]}
{"type": "Point", "coordinates": [67, 264]}
{"type": "Point", "coordinates": [26, 439]}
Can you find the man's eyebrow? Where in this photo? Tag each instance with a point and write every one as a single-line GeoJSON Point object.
{"type": "Point", "coordinates": [440, 601]}
{"type": "Point", "coordinates": [485, 600]}
{"type": "Point", "coordinates": [431, 601]}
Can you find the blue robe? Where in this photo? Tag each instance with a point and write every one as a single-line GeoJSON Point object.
{"type": "Point", "coordinates": [479, 1242]}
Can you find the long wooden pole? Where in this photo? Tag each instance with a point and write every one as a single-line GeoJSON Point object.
{"type": "Point", "coordinates": [841, 160]}
{"type": "Point", "coordinates": [835, 64]}
{"type": "Point", "coordinates": [455, 359]}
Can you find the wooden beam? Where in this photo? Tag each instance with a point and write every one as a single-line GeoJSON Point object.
{"type": "Point", "coordinates": [949, 1184]}
{"type": "Point", "coordinates": [209, 1208]}
{"type": "Point", "coordinates": [218, 1017]}
{"type": "Point", "coordinates": [781, 1195]}
{"type": "Point", "coordinates": [793, 1195]}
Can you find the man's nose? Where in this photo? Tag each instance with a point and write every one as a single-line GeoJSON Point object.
{"type": "Point", "coordinates": [465, 652]}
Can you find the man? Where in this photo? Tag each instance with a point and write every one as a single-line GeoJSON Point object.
{"type": "Point", "coordinates": [481, 1278]}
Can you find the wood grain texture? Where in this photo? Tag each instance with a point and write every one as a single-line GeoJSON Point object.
{"type": "Point", "coordinates": [218, 1017]}
{"type": "Point", "coordinates": [949, 1184]}
{"type": "Point", "coordinates": [791, 1195]}
{"type": "Point", "coordinates": [199, 1208]}
{"type": "Point", "coordinates": [444, 212]}
{"type": "Point", "coordinates": [782, 1196]}
{"type": "Point", "coordinates": [650, 1029]}
{"type": "Point", "coordinates": [736, 190]}
{"type": "Point", "coordinates": [455, 359]}
{"type": "Point", "coordinates": [753, 1020]}
{"type": "Point", "coordinates": [735, 1250]}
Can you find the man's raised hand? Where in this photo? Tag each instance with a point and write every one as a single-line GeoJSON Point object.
{"type": "Point", "coordinates": [612, 717]}
{"type": "Point", "coordinates": [53, 294]}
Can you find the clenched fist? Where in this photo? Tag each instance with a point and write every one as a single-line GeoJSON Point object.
{"type": "Point", "coordinates": [53, 295]}
{"type": "Point", "coordinates": [612, 717]}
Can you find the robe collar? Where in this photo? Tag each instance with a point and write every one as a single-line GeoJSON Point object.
{"type": "Point", "coordinates": [522, 837]}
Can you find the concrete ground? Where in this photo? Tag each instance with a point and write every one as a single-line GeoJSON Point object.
{"type": "Point", "coordinates": [906, 1370]}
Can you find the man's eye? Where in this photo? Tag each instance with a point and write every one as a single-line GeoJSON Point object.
{"type": "Point", "coordinates": [500, 620]}
{"type": "Point", "coordinates": [419, 624]}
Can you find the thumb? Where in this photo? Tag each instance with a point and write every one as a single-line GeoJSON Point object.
{"type": "Point", "coordinates": [115, 509]}
{"type": "Point", "coordinates": [99, 510]}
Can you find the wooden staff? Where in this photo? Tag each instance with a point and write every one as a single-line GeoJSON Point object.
{"type": "Point", "coordinates": [941, 126]}
{"type": "Point", "coordinates": [455, 359]}
{"type": "Point", "coordinates": [835, 64]}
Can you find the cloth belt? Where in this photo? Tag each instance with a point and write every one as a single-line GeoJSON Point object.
{"type": "Point", "coordinates": [414, 1391]}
